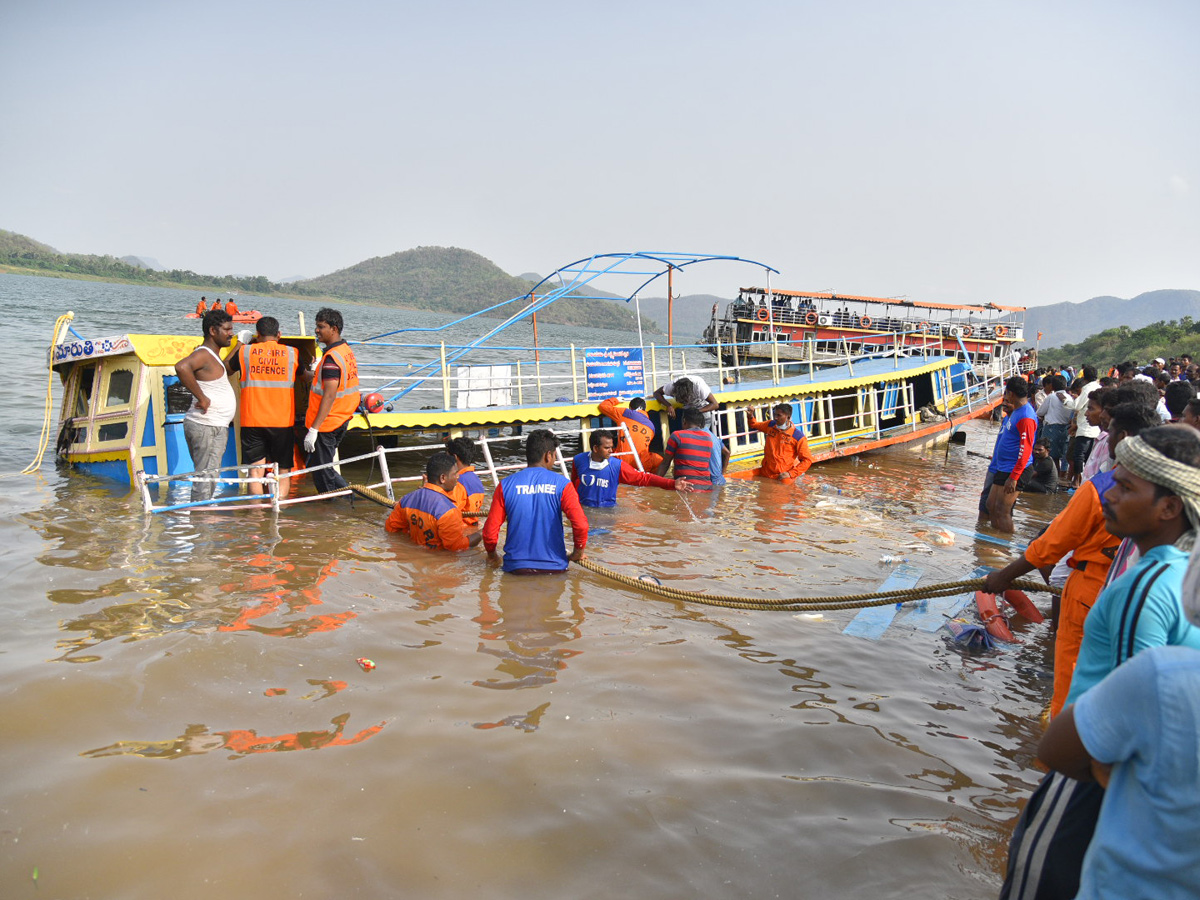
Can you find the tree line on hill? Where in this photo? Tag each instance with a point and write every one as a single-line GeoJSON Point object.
{"type": "Point", "coordinates": [1117, 345]}
{"type": "Point", "coordinates": [441, 279]}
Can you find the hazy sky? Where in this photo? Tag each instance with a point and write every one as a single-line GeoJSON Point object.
{"type": "Point", "coordinates": [1017, 152]}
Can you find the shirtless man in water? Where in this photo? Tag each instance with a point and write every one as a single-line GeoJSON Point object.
{"type": "Point", "coordinates": [206, 425]}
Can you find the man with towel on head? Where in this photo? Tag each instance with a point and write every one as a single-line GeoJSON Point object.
{"type": "Point", "coordinates": [1155, 501]}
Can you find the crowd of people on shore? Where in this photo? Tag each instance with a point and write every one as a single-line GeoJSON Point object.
{"type": "Point", "coordinates": [1118, 814]}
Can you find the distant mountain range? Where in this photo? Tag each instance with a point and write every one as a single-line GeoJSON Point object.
{"type": "Point", "coordinates": [453, 280]}
{"type": "Point", "coordinates": [1070, 323]}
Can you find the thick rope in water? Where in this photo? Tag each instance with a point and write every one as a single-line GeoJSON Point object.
{"type": "Point", "coordinates": [800, 604]}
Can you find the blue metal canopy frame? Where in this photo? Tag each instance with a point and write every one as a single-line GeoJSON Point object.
{"type": "Point", "coordinates": [645, 265]}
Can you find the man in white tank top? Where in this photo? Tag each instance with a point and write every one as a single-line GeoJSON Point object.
{"type": "Point", "coordinates": [206, 425]}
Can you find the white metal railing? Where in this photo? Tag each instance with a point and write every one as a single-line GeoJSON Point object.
{"type": "Point", "coordinates": [272, 480]}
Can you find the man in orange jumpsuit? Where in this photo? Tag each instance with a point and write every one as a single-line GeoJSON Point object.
{"type": "Point", "coordinates": [231, 307]}
{"type": "Point", "coordinates": [641, 429]}
{"type": "Point", "coordinates": [429, 514]}
{"type": "Point", "coordinates": [202, 307]}
{"type": "Point", "coordinates": [786, 455]}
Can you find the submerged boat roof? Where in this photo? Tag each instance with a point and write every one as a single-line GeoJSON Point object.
{"type": "Point", "coordinates": [890, 301]}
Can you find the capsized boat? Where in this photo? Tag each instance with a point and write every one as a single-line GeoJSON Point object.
{"type": "Point", "coordinates": [123, 407]}
{"type": "Point", "coordinates": [250, 316]}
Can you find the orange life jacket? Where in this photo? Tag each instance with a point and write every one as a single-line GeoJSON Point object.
{"type": "Point", "coordinates": [201, 307]}
{"type": "Point", "coordinates": [216, 305]}
{"type": "Point", "coordinates": [347, 396]}
{"type": "Point", "coordinates": [268, 376]}
{"type": "Point", "coordinates": [231, 308]}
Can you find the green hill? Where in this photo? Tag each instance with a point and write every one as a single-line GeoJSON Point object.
{"type": "Point", "coordinates": [26, 254]}
{"type": "Point", "coordinates": [452, 280]}
{"type": "Point", "coordinates": [1116, 345]}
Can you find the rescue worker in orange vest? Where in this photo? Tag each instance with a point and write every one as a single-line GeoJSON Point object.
{"type": "Point", "coordinates": [785, 454]}
{"type": "Point", "coordinates": [641, 429]}
{"type": "Point", "coordinates": [268, 401]}
{"type": "Point", "coordinates": [216, 304]}
{"type": "Point", "coordinates": [429, 514]}
{"type": "Point", "coordinates": [332, 400]}
{"type": "Point", "coordinates": [231, 307]}
{"type": "Point", "coordinates": [202, 307]}
{"type": "Point", "coordinates": [468, 494]}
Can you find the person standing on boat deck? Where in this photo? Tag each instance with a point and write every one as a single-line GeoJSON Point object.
{"type": "Point", "coordinates": [268, 371]}
{"type": "Point", "coordinates": [468, 492]}
{"type": "Point", "coordinates": [690, 449]}
{"type": "Point", "coordinates": [693, 392]}
{"type": "Point", "coordinates": [1014, 446]}
{"type": "Point", "coordinates": [533, 501]}
{"type": "Point", "coordinates": [332, 400]}
{"type": "Point", "coordinates": [202, 307]}
{"type": "Point", "coordinates": [429, 514]}
{"type": "Point", "coordinates": [231, 307]}
{"type": "Point", "coordinates": [640, 427]}
{"type": "Point", "coordinates": [1154, 500]}
{"type": "Point", "coordinates": [785, 455]}
{"type": "Point", "coordinates": [596, 475]}
{"type": "Point", "coordinates": [206, 425]}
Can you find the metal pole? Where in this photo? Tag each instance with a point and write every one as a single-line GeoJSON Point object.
{"type": "Point", "coordinates": [574, 376]}
{"type": "Point", "coordinates": [387, 475]}
{"type": "Point", "coordinates": [445, 379]}
{"type": "Point", "coordinates": [670, 304]}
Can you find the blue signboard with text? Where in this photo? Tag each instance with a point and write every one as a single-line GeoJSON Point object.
{"type": "Point", "coordinates": [614, 372]}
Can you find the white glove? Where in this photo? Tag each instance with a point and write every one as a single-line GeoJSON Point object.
{"type": "Point", "coordinates": [245, 336]}
{"type": "Point", "coordinates": [310, 440]}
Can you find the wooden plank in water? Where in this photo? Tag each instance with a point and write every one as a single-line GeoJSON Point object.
{"type": "Point", "coordinates": [873, 621]}
{"type": "Point", "coordinates": [932, 614]}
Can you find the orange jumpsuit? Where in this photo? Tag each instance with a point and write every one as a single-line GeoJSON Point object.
{"type": "Point", "coordinates": [785, 452]}
{"type": "Point", "coordinates": [641, 428]}
{"type": "Point", "coordinates": [1078, 530]}
{"type": "Point", "coordinates": [431, 519]}
{"type": "Point", "coordinates": [231, 307]}
{"type": "Point", "coordinates": [201, 307]}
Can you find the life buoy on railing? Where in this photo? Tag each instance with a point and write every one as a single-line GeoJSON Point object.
{"type": "Point", "coordinates": [924, 326]}
{"type": "Point", "coordinates": [810, 318]}
{"type": "Point", "coordinates": [822, 320]}
{"type": "Point", "coordinates": [763, 314]}
{"type": "Point", "coordinates": [865, 322]}
{"type": "Point", "coordinates": [968, 331]}
{"type": "Point", "coordinates": [1001, 330]}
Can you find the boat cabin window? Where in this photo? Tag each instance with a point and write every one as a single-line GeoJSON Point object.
{"type": "Point", "coordinates": [120, 388]}
{"type": "Point", "coordinates": [113, 431]}
{"type": "Point", "coordinates": [83, 395]}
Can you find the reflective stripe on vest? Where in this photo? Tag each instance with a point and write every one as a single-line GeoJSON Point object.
{"type": "Point", "coordinates": [268, 376]}
{"type": "Point", "coordinates": [346, 402]}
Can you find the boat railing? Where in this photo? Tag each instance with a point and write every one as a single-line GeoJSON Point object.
{"type": "Point", "coordinates": [277, 487]}
{"type": "Point", "coordinates": [948, 326]}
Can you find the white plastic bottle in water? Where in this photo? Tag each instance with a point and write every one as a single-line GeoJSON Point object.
{"type": "Point", "coordinates": [889, 559]}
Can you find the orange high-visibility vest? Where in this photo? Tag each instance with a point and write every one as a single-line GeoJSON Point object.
{"type": "Point", "coordinates": [346, 403]}
{"type": "Point", "coordinates": [268, 374]}
{"type": "Point", "coordinates": [231, 307]}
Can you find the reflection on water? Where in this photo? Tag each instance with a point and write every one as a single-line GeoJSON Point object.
{"type": "Point", "coordinates": [197, 739]}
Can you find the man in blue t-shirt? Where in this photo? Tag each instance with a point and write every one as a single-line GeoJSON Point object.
{"type": "Point", "coordinates": [533, 501]}
{"type": "Point", "coordinates": [1014, 444]}
{"type": "Point", "coordinates": [1154, 501]}
{"type": "Point", "coordinates": [597, 474]}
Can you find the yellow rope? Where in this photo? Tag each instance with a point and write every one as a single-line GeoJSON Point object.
{"type": "Point", "coordinates": [48, 410]}
{"type": "Point", "coordinates": [807, 604]}
{"type": "Point", "coordinates": [800, 604]}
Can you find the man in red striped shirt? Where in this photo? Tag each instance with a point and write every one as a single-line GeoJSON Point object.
{"type": "Point", "coordinates": [690, 448]}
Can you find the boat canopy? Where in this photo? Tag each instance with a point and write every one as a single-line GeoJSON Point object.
{"type": "Point", "coordinates": [890, 301]}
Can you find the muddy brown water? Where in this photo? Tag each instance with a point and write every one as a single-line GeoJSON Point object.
{"type": "Point", "coordinates": [184, 715]}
